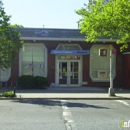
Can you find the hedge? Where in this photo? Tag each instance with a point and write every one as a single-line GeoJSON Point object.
{"type": "Point", "coordinates": [31, 82]}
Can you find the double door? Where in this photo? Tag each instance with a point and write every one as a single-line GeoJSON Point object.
{"type": "Point", "coordinates": [68, 73]}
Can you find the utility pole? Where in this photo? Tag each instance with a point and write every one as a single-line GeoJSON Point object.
{"type": "Point", "coordinates": [103, 53]}
{"type": "Point", "coordinates": [111, 89]}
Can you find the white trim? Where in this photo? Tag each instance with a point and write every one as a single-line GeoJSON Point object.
{"type": "Point", "coordinates": [56, 81]}
{"type": "Point", "coordinates": [68, 75]}
{"type": "Point", "coordinates": [46, 61]}
{"type": "Point", "coordinates": [64, 39]}
{"type": "Point", "coordinates": [69, 45]}
{"type": "Point", "coordinates": [81, 70]}
{"type": "Point", "coordinates": [80, 66]}
{"type": "Point", "coordinates": [103, 79]}
{"type": "Point", "coordinates": [126, 53]}
{"type": "Point", "coordinates": [100, 80]}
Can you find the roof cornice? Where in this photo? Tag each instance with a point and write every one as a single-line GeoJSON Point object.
{"type": "Point", "coordinates": [62, 39]}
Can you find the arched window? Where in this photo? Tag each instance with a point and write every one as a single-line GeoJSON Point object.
{"type": "Point", "coordinates": [33, 60]}
{"type": "Point", "coordinates": [100, 66]}
{"type": "Point", "coordinates": [69, 47]}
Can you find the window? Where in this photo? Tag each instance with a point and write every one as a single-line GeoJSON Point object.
{"type": "Point", "coordinates": [68, 47]}
{"type": "Point", "coordinates": [33, 60]}
{"type": "Point", "coordinates": [5, 74]}
{"type": "Point", "coordinates": [100, 66]}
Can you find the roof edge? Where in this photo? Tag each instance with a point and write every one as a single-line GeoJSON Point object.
{"type": "Point", "coordinates": [63, 39]}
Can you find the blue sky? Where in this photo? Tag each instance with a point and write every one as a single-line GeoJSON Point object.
{"type": "Point", "coordinates": [50, 13]}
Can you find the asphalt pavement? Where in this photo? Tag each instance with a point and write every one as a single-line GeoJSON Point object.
{"type": "Point", "coordinates": [55, 114]}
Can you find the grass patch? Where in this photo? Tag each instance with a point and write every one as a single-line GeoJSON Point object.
{"type": "Point", "coordinates": [8, 94]}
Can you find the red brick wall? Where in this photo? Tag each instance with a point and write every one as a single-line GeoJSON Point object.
{"type": "Point", "coordinates": [126, 74]}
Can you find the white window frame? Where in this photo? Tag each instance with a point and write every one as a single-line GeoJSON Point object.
{"type": "Point", "coordinates": [101, 70]}
{"type": "Point", "coordinates": [80, 64]}
{"type": "Point", "coordinates": [68, 45]}
{"type": "Point", "coordinates": [46, 62]}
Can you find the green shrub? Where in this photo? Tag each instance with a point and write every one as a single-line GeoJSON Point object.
{"type": "Point", "coordinates": [8, 94]}
{"type": "Point", "coordinates": [39, 82]}
{"type": "Point", "coordinates": [25, 81]}
{"type": "Point", "coordinates": [28, 81]}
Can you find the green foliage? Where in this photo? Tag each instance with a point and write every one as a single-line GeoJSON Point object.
{"type": "Point", "coordinates": [10, 43]}
{"type": "Point", "coordinates": [30, 82]}
{"type": "Point", "coordinates": [39, 82]}
{"type": "Point", "coordinates": [25, 81]}
{"type": "Point", "coordinates": [8, 94]}
{"type": "Point", "coordinates": [110, 19]}
{"type": "Point", "coordinates": [16, 26]}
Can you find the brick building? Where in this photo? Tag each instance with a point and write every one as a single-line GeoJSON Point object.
{"type": "Point", "coordinates": [63, 56]}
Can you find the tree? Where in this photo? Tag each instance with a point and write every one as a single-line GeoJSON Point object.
{"type": "Point", "coordinates": [10, 43]}
{"type": "Point", "coordinates": [110, 18]}
{"type": "Point", "coordinates": [16, 26]}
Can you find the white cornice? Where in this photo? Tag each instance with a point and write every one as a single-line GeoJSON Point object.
{"type": "Point", "coordinates": [63, 39]}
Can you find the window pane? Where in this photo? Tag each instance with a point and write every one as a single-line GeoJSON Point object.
{"type": "Point", "coordinates": [33, 60]}
{"type": "Point", "coordinates": [100, 66]}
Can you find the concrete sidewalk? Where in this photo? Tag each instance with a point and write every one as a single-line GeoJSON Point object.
{"type": "Point", "coordinates": [71, 93]}
{"type": "Point", "coordinates": [73, 96]}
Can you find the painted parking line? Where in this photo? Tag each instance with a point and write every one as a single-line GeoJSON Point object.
{"type": "Point", "coordinates": [123, 102]}
{"type": "Point", "coordinates": [67, 115]}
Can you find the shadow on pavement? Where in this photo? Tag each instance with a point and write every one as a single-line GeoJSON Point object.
{"type": "Point", "coordinates": [45, 103]}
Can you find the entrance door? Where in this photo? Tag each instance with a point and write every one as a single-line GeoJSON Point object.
{"type": "Point", "coordinates": [74, 73]}
{"type": "Point", "coordinates": [63, 71]}
{"type": "Point", "coordinates": [68, 74]}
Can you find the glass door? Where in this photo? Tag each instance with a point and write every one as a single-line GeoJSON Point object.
{"type": "Point", "coordinates": [68, 73]}
{"type": "Point", "coordinates": [74, 73]}
{"type": "Point", "coordinates": [63, 73]}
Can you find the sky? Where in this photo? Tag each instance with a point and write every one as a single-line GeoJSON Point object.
{"type": "Point", "coordinates": [47, 13]}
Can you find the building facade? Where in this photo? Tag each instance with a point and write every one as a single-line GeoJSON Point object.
{"type": "Point", "coordinates": [63, 56]}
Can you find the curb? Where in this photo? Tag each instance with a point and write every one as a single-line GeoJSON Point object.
{"type": "Point", "coordinates": [67, 98]}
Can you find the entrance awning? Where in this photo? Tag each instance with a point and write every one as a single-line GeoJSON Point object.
{"type": "Point", "coordinates": [78, 52]}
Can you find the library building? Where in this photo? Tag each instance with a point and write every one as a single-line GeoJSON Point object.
{"type": "Point", "coordinates": [65, 58]}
